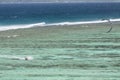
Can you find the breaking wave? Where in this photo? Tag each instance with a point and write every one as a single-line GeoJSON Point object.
{"type": "Point", "coordinates": [43, 24]}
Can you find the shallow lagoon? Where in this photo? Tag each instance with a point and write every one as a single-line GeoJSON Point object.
{"type": "Point", "coordinates": [81, 52]}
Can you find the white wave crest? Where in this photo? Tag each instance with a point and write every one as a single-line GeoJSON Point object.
{"type": "Point", "coordinates": [82, 22]}
{"type": "Point", "coordinates": [16, 57]}
{"type": "Point", "coordinates": [9, 27]}
{"type": "Point", "coordinates": [42, 24]}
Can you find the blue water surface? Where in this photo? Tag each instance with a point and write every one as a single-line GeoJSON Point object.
{"type": "Point", "coordinates": [25, 13]}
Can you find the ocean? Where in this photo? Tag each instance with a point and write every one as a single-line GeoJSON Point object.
{"type": "Point", "coordinates": [41, 14]}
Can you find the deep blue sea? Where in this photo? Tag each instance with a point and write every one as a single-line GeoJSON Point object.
{"type": "Point", "coordinates": [31, 13]}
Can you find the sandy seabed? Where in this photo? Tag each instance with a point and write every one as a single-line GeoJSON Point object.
{"type": "Point", "coordinates": [80, 52]}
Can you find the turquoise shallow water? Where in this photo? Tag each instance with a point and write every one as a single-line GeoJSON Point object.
{"type": "Point", "coordinates": [61, 53]}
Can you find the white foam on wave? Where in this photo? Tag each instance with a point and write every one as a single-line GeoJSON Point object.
{"type": "Point", "coordinates": [16, 57]}
{"type": "Point", "coordinates": [82, 22]}
{"type": "Point", "coordinates": [76, 23]}
{"type": "Point", "coordinates": [113, 20]}
{"type": "Point", "coordinates": [9, 27]}
{"type": "Point", "coordinates": [42, 24]}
